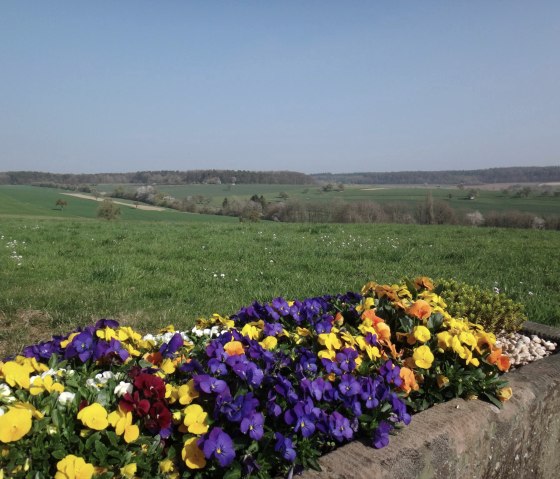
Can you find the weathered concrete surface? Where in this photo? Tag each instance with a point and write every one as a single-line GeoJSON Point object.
{"type": "Point", "coordinates": [469, 439]}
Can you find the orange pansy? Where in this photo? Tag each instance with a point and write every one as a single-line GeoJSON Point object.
{"type": "Point", "coordinates": [234, 348]}
{"type": "Point", "coordinates": [420, 309]}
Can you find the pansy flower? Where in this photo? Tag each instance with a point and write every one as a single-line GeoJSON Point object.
{"type": "Point", "coordinates": [218, 445]}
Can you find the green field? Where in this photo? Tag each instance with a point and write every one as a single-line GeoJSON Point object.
{"type": "Point", "coordinates": [32, 201]}
{"type": "Point", "coordinates": [485, 201]}
{"type": "Point", "coordinates": [152, 268]}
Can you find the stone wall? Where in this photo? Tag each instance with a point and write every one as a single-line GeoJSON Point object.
{"type": "Point", "coordinates": [470, 439]}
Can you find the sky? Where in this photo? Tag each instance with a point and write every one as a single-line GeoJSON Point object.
{"type": "Point", "coordinates": [305, 85]}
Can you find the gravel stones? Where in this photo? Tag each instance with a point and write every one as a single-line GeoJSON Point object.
{"type": "Point", "coordinates": [523, 349]}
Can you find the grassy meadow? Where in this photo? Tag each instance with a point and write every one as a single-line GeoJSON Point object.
{"type": "Point", "coordinates": [59, 271]}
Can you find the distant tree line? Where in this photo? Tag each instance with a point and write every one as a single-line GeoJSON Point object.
{"type": "Point", "coordinates": [157, 177]}
{"type": "Point", "coordinates": [429, 212]}
{"type": "Point", "coordinates": [529, 174]}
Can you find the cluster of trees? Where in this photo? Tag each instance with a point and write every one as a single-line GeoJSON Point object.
{"type": "Point", "coordinates": [429, 212]}
{"type": "Point", "coordinates": [156, 177]}
{"type": "Point", "coordinates": [530, 174]}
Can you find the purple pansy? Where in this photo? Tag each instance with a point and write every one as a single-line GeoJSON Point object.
{"type": "Point", "coordinates": [349, 386]}
{"type": "Point", "coordinates": [253, 425]}
{"type": "Point", "coordinates": [218, 445]}
{"type": "Point", "coordinates": [381, 434]}
{"type": "Point", "coordinates": [168, 350]}
{"type": "Point", "coordinates": [285, 447]}
{"type": "Point", "coordinates": [339, 427]}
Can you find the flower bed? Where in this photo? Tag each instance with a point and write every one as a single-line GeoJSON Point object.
{"type": "Point", "coordinates": [264, 392]}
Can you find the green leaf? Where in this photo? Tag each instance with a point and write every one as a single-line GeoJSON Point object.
{"type": "Point", "coordinates": [494, 400]}
{"type": "Point", "coordinates": [435, 322]}
{"type": "Point", "coordinates": [59, 454]}
{"type": "Point", "coordinates": [101, 452]}
{"type": "Point", "coordinates": [406, 324]}
{"type": "Point", "coordinates": [233, 473]}
{"type": "Point", "coordinates": [113, 438]}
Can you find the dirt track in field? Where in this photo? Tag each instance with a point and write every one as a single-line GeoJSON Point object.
{"type": "Point", "coordinates": [130, 205]}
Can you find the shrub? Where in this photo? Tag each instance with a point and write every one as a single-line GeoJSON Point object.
{"type": "Point", "coordinates": [108, 210]}
{"type": "Point", "coordinates": [493, 310]}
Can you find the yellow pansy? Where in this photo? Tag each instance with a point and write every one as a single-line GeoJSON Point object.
{"type": "Point", "coordinates": [73, 467]}
{"type": "Point", "coordinates": [366, 304]}
{"type": "Point", "coordinates": [504, 394]}
{"type": "Point", "coordinates": [122, 422]}
{"type": "Point", "coordinates": [304, 332]}
{"type": "Point", "coordinates": [423, 357]}
{"type": "Point", "coordinates": [421, 333]}
{"type": "Point", "coordinates": [167, 366]}
{"type": "Point", "coordinates": [458, 347]}
{"type": "Point", "coordinates": [469, 359]}
{"type": "Point", "coordinates": [224, 321]}
{"type": "Point", "coordinates": [107, 334]}
{"type": "Point", "coordinates": [131, 349]}
{"type": "Point", "coordinates": [15, 424]}
{"type": "Point", "coordinates": [251, 331]}
{"type": "Point", "coordinates": [327, 354]}
{"type": "Point", "coordinates": [269, 343]}
{"type": "Point", "coordinates": [129, 470]}
{"type": "Point", "coordinates": [195, 419]}
{"type": "Point", "coordinates": [371, 351]}
{"type": "Point", "coordinates": [29, 407]}
{"type": "Point", "coordinates": [15, 374]}
{"type": "Point", "coordinates": [126, 333]}
{"type": "Point", "coordinates": [68, 340]}
{"type": "Point", "coordinates": [46, 384]}
{"type": "Point", "coordinates": [94, 417]}
{"type": "Point", "coordinates": [330, 340]}
{"type": "Point", "coordinates": [166, 466]}
{"type": "Point", "coordinates": [367, 327]}
{"type": "Point", "coordinates": [348, 338]}
{"type": "Point", "coordinates": [192, 455]}
{"type": "Point", "coordinates": [484, 340]}
{"type": "Point", "coordinates": [31, 364]}
{"type": "Point", "coordinates": [468, 338]}
{"type": "Point", "coordinates": [444, 340]}
{"type": "Point", "coordinates": [442, 381]}
{"type": "Point", "coordinates": [187, 392]}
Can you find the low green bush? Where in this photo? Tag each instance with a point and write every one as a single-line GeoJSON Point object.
{"type": "Point", "coordinates": [493, 310]}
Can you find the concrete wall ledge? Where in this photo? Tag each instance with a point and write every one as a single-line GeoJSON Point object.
{"type": "Point", "coordinates": [470, 439]}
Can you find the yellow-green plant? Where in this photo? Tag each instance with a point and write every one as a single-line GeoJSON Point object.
{"type": "Point", "coordinates": [492, 310]}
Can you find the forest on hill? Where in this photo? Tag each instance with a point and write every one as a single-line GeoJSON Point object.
{"type": "Point", "coordinates": [164, 177]}
{"type": "Point", "coordinates": [529, 174]}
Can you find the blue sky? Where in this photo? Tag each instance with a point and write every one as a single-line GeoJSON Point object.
{"type": "Point", "coordinates": [311, 86]}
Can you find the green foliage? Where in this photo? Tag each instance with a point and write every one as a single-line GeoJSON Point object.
{"type": "Point", "coordinates": [493, 310]}
{"type": "Point", "coordinates": [108, 210]}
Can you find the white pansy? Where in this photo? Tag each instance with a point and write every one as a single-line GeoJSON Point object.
{"type": "Point", "coordinates": [6, 394]}
{"type": "Point", "coordinates": [123, 388]}
{"type": "Point", "coordinates": [5, 390]}
{"type": "Point", "coordinates": [91, 383]}
{"type": "Point", "coordinates": [65, 398]}
{"type": "Point", "coordinates": [103, 377]}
